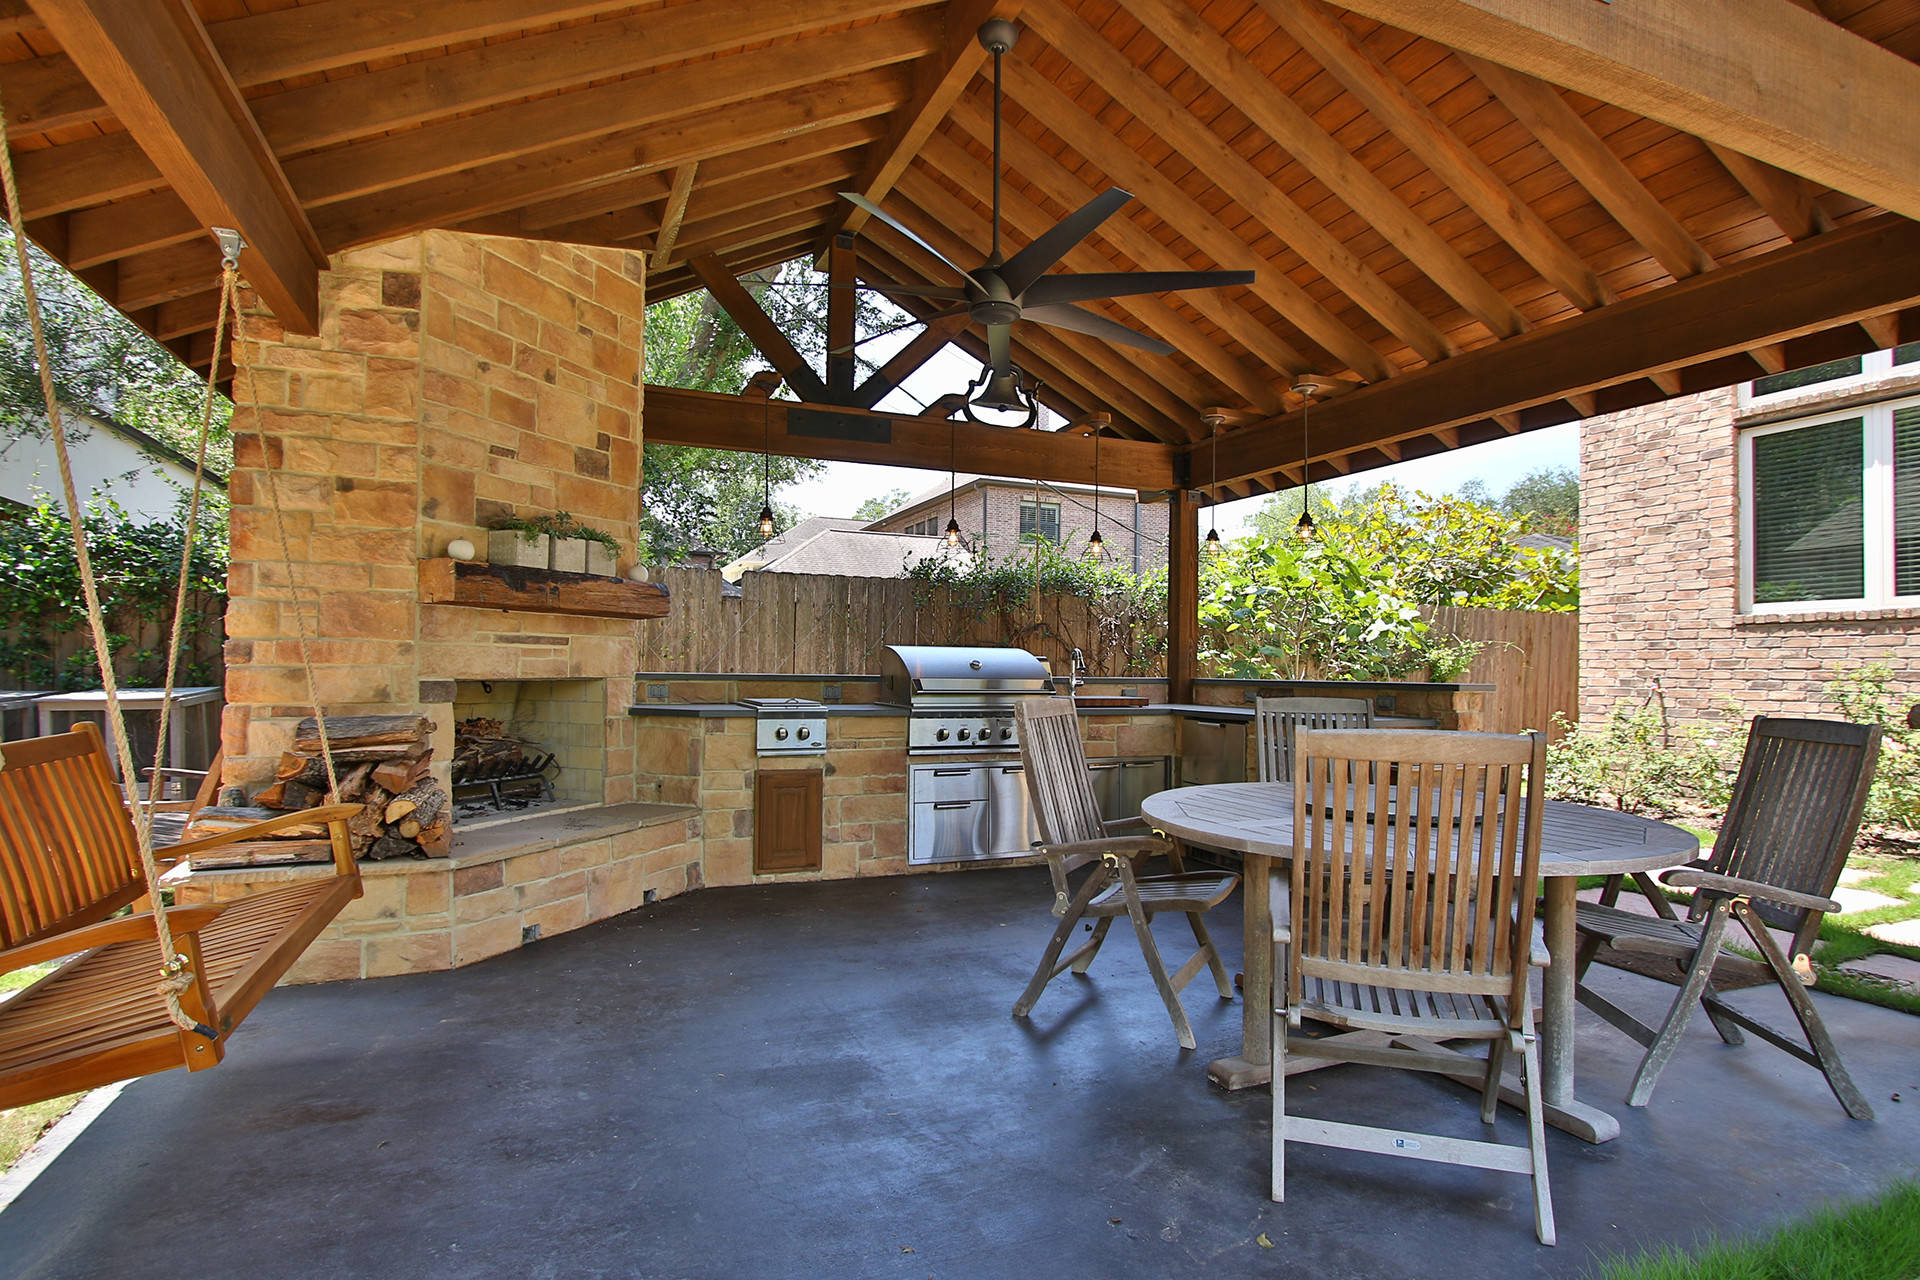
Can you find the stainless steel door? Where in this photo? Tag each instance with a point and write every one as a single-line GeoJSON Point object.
{"type": "Point", "coordinates": [1120, 785]}
{"type": "Point", "coordinates": [969, 812]}
{"type": "Point", "coordinates": [1212, 751]}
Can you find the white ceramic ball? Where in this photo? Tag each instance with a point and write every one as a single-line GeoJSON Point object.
{"type": "Point", "coordinates": [460, 549]}
{"type": "Point", "coordinates": [637, 574]}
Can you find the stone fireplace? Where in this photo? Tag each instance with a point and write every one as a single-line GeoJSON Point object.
{"type": "Point", "coordinates": [560, 721]}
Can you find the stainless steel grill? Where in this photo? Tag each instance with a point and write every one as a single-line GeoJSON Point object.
{"type": "Point", "coordinates": [788, 726]}
{"type": "Point", "coordinates": [958, 697]}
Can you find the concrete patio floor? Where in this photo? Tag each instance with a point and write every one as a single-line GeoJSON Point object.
{"type": "Point", "coordinates": [824, 1080]}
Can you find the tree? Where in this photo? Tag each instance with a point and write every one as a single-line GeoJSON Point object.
{"type": "Point", "coordinates": [711, 498]}
{"type": "Point", "coordinates": [1276, 519]}
{"type": "Point", "coordinates": [103, 365]}
{"type": "Point", "coordinates": [880, 504]}
{"type": "Point", "coordinates": [1547, 500]}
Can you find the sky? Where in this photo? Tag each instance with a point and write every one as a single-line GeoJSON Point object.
{"type": "Point", "coordinates": [843, 486]}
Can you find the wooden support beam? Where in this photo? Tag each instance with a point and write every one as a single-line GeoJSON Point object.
{"type": "Point", "coordinates": [842, 308]}
{"type": "Point", "coordinates": [1041, 170]}
{"type": "Point", "coordinates": [1585, 154]}
{"type": "Point", "coordinates": [939, 81]}
{"type": "Point", "coordinates": [1088, 136]}
{"type": "Point", "coordinates": [759, 328]}
{"type": "Point", "coordinates": [1183, 595]}
{"type": "Point", "coordinates": [675, 212]}
{"type": "Point", "coordinates": [1316, 29]}
{"type": "Point", "coordinates": [907, 359]}
{"type": "Point", "coordinates": [1859, 271]}
{"type": "Point", "coordinates": [1757, 76]}
{"type": "Point", "coordinates": [154, 66]}
{"type": "Point", "coordinates": [1786, 197]}
{"type": "Point", "coordinates": [835, 434]}
{"type": "Point", "coordinates": [1231, 73]}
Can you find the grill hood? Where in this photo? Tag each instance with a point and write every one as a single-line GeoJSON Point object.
{"type": "Point", "coordinates": [924, 674]}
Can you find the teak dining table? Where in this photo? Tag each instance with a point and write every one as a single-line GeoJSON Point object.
{"type": "Point", "coordinates": [1255, 819]}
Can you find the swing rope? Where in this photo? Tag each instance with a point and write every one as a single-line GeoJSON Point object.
{"type": "Point", "coordinates": [176, 974]}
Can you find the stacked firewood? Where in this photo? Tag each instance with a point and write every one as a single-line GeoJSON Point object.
{"type": "Point", "coordinates": [483, 748]}
{"type": "Point", "coordinates": [384, 764]}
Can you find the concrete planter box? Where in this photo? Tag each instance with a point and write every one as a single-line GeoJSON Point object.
{"type": "Point", "coordinates": [569, 554]}
{"type": "Point", "coordinates": [506, 546]}
{"type": "Point", "coordinates": [599, 560]}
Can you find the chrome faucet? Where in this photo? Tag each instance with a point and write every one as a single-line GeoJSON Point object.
{"type": "Point", "coordinates": [1077, 672]}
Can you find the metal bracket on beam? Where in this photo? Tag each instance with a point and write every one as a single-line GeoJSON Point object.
{"type": "Point", "coordinates": [232, 244]}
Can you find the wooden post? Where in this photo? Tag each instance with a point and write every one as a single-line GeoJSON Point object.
{"type": "Point", "coordinates": [840, 316]}
{"type": "Point", "coordinates": [1183, 593]}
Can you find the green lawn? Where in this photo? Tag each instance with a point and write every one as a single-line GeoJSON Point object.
{"type": "Point", "coordinates": [1879, 1240]}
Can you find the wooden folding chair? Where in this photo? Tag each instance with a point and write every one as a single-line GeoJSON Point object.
{"type": "Point", "coordinates": [1277, 720]}
{"type": "Point", "coordinates": [1412, 916]}
{"type": "Point", "coordinates": [1074, 836]}
{"type": "Point", "coordinates": [1795, 810]}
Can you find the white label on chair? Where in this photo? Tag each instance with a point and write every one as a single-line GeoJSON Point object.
{"type": "Point", "coordinates": [1406, 1144]}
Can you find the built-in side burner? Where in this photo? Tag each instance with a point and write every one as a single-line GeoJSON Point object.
{"type": "Point", "coordinates": [788, 726]}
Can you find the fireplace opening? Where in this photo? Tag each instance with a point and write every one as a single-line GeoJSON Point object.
{"type": "Point", "coordinates": [527, 746]}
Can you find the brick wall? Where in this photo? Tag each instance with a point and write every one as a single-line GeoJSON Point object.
{"type": "Point", "coordinates": [989, 512]}
{"type": "Point", "coordinates": [1659, 579]}
{"type": "Point", "coordinates": [455, 379]}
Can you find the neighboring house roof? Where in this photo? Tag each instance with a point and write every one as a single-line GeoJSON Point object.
{"type": "Point", "coordinates": [1543, 542]}
{"type": "Point", "coordinates": [961, 484]}
{"type": "Point", "coordinates": [841, 548]}
{"type": "Point", "coordinates": [110, 457]}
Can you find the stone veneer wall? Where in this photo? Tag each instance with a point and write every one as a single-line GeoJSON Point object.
{"type": "Point", "coordinates": [1659, 580]}
{"type": "Point", "coordinates": [456, 378]}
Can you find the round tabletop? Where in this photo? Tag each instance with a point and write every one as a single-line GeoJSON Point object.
{"type": "Point", "coordinates": [1575, 839]}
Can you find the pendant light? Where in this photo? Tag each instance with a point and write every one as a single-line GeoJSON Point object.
{"type": "Point", "coordinates": [766, 472]}
{"type": "Point", "coordinates": [1303, 529]}
{"type": "Point", "coordinates": [1096, 545]}
{"type": "Point", "coordinates": [1213, 545]}
{"type": "Point", "coordinates": [953, 484]}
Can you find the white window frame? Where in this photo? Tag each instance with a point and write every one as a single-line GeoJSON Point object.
{"type": "Point", "coordinates": [1875, 366]}
{"type": "Point", "coordinates": [1038, 505]}
{"type": "Point", "coordinates": [1876, 509]}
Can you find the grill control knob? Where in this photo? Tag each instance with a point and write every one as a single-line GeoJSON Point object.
{"type": "Point", "coordinates": [780, 734]}
{"type": "Point", "coordinates": [803, 733]}
{"type": "Point", "coordinates": [986, 731]}
{"type": "Point", "coordinates": [963, 735]}
{"type": "Point", "coordinates": [1006, 734]}
{"type": "Point", "coordinates": [940, 735]}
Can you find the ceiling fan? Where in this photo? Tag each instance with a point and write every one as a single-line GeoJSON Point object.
{"type": "Point", "coordinates": [1003, 290]}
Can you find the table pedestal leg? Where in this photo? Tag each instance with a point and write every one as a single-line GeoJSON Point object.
{"type": "Point", "coordinates": [1254, 1065]}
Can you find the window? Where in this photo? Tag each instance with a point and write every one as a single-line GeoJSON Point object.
{"type": "Point", "coordinates": [1039, 520]}
{"type": "Point", "coordinates": [930, 525]}
{"type": "Point", "coordinates": [1834, 375]}
{"type": "Point", "coordinates": [1831, 511]}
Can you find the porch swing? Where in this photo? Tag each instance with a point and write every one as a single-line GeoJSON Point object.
{"type": "Point", "coordinates": [159, 988]}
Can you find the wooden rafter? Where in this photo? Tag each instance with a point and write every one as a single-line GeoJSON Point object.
{"type": "Point", "coordinates": [1756, 76]}
{"type": "Point", "coordinates": [1786, 197]}
{"type": "Point", "coordinates": [673, 214]}
{"type": "Point", "coordinates": [152, 63]}
{"type": "Point", "coordinates": [759, 328]}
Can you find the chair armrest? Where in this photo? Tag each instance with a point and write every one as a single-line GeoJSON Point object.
{"type": "Point", "coordinates": [1714, 882]}
{"type": "Point", "coordinates": [134, 928]}
{"type": "Point", "coordinates": [327, 814]}
{"type": "Point", "coordinates": [1122, 826]}
{"type": "Point", "coordinates": [1125, 846]}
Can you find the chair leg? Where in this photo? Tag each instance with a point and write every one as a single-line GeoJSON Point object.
{"type": "Point", "coordinates": [1143, 930]}
{"type": "Point", "coordinates": [1681, 1013]}
{"type": "Point", "coordinates": [1816, 1031]}
{"type": "Point", "coordinates": [1277, 1032]}
{"type": "Point", "coordinates": [1536, 1135]}
{"type": "Point", "coordinates": [1490, 1089]}
{"type": "Point", "coordinates": [1221, 981]}
{"type": "Point", "coordinates": [1092, 949]}
{"type": "Point", "coordinates": [1094, 882]}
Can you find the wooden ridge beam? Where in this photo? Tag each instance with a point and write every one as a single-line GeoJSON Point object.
{"type": "Point", "coordinates": [152, 63]}
{"type": "Point", "coordinates": [938, 82]}
{"type": "Point", "coordinates": [759, 328]}
{"type": "Point", "coordinates": [713, 421]}
{"type": "Point", "coordinates": [1233, 74]}
{"type": "Point", "coordinates": [1317, 30]}
{"type": "Point", "coordinates": [1089, 137]}
{"type": "Point", "coordinates": [1586, 155]}
{"type": "Point", "coordinates": [1044, 172]}
{"type": "Point", "coordinates": [1854, 273]}
{"type": "Point", "coordinates": [1757, 76]}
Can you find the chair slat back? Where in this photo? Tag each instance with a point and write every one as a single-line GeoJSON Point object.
{"type": "Point", "coordinates": [1056, 769]}
{"type": "Point", "coordinates": [1796, 808]}
{"type": "Point", "coordinates": [67, 851]}
{"type": "Point", "coordinates": [1434, 888]}
{"type": "Point", "coordinates": [1279, 719]}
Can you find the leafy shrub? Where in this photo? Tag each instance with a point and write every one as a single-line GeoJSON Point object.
{"type": "Point", "coordinates": [1865, 695]}
{"type": "Point", "coordinates": [136, 563]}
{"type": "Point", "coordinates": [1636, 761]}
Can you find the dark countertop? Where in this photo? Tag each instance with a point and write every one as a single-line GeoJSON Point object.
{"type": "Point", "coordinates": [732, 710]}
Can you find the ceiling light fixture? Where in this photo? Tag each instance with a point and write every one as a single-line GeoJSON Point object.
{"type": "Point", "coordinates": [766, 471]}
{"type": "Point", "coordinates": [953, 484]}
{"type": "Point", "coordinates": [1213, 545]}
{"type": "Point", "coordinates": [1096, 545]}
{"type": "Point", "coordinates": [1303, 529]}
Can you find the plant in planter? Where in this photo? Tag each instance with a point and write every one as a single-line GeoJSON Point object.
{"type": "Point", "coordinates": [556, 541]}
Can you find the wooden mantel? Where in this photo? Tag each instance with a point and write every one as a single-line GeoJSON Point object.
{"type": "Point", "coordinates": [522, 590]}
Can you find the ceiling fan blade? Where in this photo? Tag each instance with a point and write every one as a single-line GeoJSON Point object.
{"type": "Point", "coordinates": [1052, 290]}
{"type": "Point", "coordinates": [939, 292]}
{"type": "Point", "coordinates": [1032, 262]}
{"type": "Point", "coordinates": [1062, 316]}
{"type": "Point", "coordinates": [876, 211]}
{"type": "Point", "coordinates": [1000, 348]}
{"type": "Point", "coordinates": [891, 329]}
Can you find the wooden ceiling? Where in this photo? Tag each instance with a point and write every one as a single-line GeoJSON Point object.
{"type": "Point", "coordinates": [1667, 195]}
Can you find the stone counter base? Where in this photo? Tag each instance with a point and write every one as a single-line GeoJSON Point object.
{"type": "Point", "coordinates": [530, 880]}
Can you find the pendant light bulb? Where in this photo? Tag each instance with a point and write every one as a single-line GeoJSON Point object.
{"type": "Point", "coordinates": [1303, 528]}
{"type": "Point", "coordinates": [953, 531]}
{"type": "Point", "coordinates": [1213, 546]}
{"type": "Point", "coordinates": [766, 522]}
{"type": "Point", "coordinates": [1096, 545]}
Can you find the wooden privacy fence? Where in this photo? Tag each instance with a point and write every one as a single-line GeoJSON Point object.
{"type": "Point", "coordinates": [35, 659]}
{"type": "Point", "coordinates": [804, 623]}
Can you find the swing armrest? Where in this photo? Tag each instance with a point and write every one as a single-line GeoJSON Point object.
{"type": "Point", "coordinates": [1714, 882]}
{"type": "Point", "coordinates": [134, 928]}
{"type": "Point", "coordinates": [327, 814]}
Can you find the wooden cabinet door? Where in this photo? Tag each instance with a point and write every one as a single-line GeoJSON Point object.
{"type": "Point", "coordinates": [787, 825]}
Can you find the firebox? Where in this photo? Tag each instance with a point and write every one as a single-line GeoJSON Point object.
{"type": "Point", "coordinates": [533, 744]}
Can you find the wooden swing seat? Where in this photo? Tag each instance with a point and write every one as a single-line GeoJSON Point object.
{"type": "Point", "coordinates": [69, 861]}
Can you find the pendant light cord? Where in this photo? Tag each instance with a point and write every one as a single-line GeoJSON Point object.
{"type": "Point", "coordinates": [998, 54]}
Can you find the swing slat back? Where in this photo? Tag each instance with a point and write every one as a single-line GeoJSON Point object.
{"type": "Point", "coordinates": [67, 847]}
